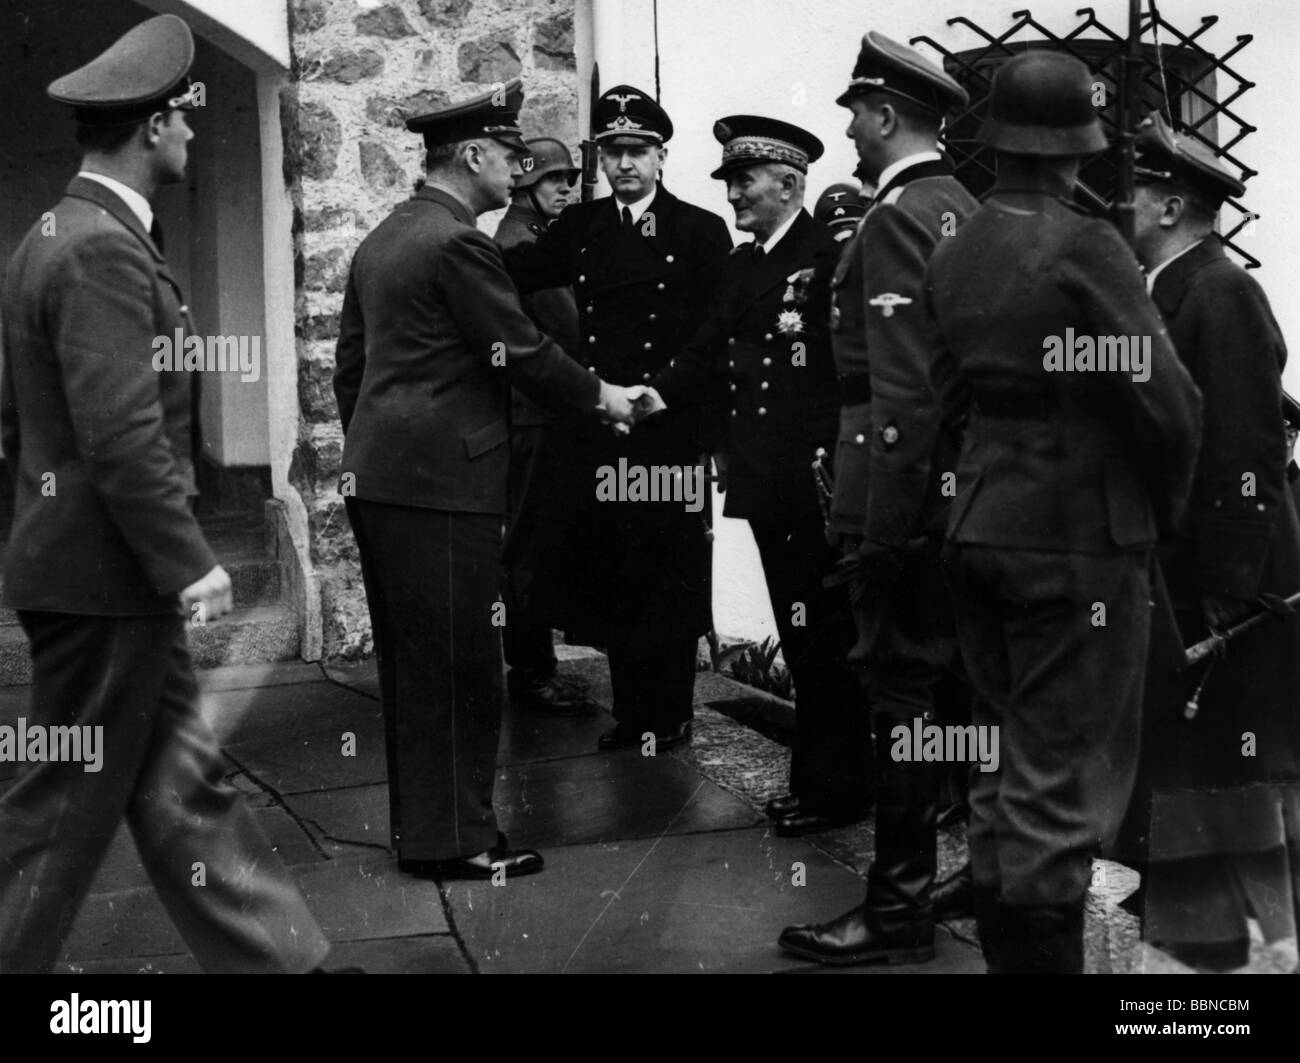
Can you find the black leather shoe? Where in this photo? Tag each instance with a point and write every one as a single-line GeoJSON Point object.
{"type": "Point", "coordinates": [625, 736]}
{"type": "Point", "coordinates": [862, 936]}
{"type": "Point", "coordinates": [781, 806]}
{"type": "Point", "coordinates": [955, 897]}
{"type": "Point", "coordinates": [552, 697]}
{"type": "Point", "coordinates": [514, 862]}
{"type": "Point", "coordinates": [799, 822]}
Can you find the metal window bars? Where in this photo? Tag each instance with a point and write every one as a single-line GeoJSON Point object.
{"type": "Point", "coordinates": [1179, 76]}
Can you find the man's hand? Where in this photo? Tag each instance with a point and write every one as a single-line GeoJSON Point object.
{"type": "Point", "coordinates": [615, 404]}
{"type": "Point", "coordinates": [646, 401]}
{"type": "Point", "coordinates": [719, 462]}
{"type": "Point", "coordinates": [1221, 612]}
{"type": "Point", "coordinates": [212, 592]}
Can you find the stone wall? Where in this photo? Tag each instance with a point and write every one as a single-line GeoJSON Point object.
{"type": "Point", "coordinates": [359, 69]}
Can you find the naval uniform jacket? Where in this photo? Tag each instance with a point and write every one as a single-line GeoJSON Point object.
{"type": "Point", "coordinates": [780, 395]}
{"type": "Point", "coordinates": [431, 339]}
{"type": "Point", "coordinates": [1241, 539]}
{"type": "Point", "coordinates": [552, 309]}
{"type": "Point", "coordinates": [97, 440]}
{"type": "Point", "coordinates": [641, 297]}
{"type": "Point", "coordinates": [892, 449]}
{"type": "Point", "coordinates": [1082, 461]}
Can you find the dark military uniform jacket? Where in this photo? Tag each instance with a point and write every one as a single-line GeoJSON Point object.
{"type": "Point", "coordinates": [1241, 538]}
{"type": "Point", "coordinates": [552, 309]}
{"type": "Point", "coordinates": [641, 297]}
{"type": "Point", "coordinates": [1085, 460]}
{"type": "Point", "coordinates": [98, 441]}
{"type": "Point", "coordinates": [768, 341]}
{"type": "Point", "coordinates": [431, 339]}
{"type": "Point", "coordinates": [892, 449]}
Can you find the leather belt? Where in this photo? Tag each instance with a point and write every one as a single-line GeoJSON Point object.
{"type": "Point", "coordinates": [855, 389]}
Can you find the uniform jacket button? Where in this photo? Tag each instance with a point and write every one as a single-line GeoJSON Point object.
{"type": "Point", "coordinates": [591, 339]}
{"type": "Point", "coordinates": [859, 439]}
{"type": "Point", "coordinates": [731, 341]}
{"type": "Point", "coordinates": [733, 387]}
{"type": "Point", "coordinates": [767, 361]}
{"type": "Point", "coordinates": [645, 376]}
{"type": "Point", "coordinates": [185, 308]}
{"type": "Point", "coordinates": [668, 258]}
{"type": "Point", "coordinates": [582, 278]}
{"type": "Point", "coordinates": [649, 346]}
{"type": "Point", "coordinates": [763, 385]}
{"type": "Point", "coordinates": [590, 308]}
{"type": "Point", "coordinates": [660, 286]}
{"type": "Point", "coordinates": [762, 411]}
{"type": "Point", "coordinates": [732, 364]}
{"type": "Point", "coordinates": [652, 317]}
{"type": "Point", "coordinates": [733, 413]}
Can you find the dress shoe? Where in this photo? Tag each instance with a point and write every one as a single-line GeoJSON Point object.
{"type": "Point", "coordinates": [954, 898]}
{"type": "Point", "coordinates": [514, 862]}
{"type": "Point", "coordinates": [801, 822]}
{"type": "Point", "coordinates": [781, 806]}
{"type": "Point", "coordinates": [552, 697]}
{"type": "Point", "coordinates": [624, 736]}
{"type": "Point", "coordinates": [863, 936]}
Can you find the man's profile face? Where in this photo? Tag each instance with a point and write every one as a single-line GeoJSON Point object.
{"type": "Point", "coordinates": [1149, 201]}
{"type": "Point", "coordinates": [632, 169]}
{"type": "Point", "coordinates": [174, 135]}
{"type": "Point", "coordinates": [864, 131]}
{"type": "Point", "coordinates": [553, 193]}
{"type": "Point", "coordinates": [498, 167]}
{"type": "Point", "coordinates": [754, 193]}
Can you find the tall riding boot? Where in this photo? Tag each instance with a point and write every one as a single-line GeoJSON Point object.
{"type": "Point", "coordinates": [1042, 938]}
{"type": "Point", "coordinates": [896, 924]}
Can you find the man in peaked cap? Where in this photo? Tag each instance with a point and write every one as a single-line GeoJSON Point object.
{"type": "Point", "coordinates": [1208, 821]}
{"type": "Point", "coordinates": [431, 340]}
{"type": "Point", "coordinates": [1066, 472]}
{"type": "Point", "coordinates": [537, 553]}
{"type": "Point", "coordinates": [840, 208]}
{"type": "Point", "coordinates": [888, 505]}
{"type": "Point", "coordinates": [767, 340]}
{"type": "Point", "coordinates": [105, 560]}
{"type": "Point", "coordinates": [645, 267]}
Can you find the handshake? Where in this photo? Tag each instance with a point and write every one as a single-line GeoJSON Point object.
{"type": "Point", "coordinates": [621, 407]}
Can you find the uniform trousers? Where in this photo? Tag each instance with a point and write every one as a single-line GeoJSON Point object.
{"type": "Point", "coordinates": [526, 637]}
{"type": "Point", "coordinates": [1056, 646]}
{"type": "Point", "coordinates": [432, 578]}
{"type": "Point", "coordinates": [225, 889]}
{"type": "Point", "coordinates": [831, 765]}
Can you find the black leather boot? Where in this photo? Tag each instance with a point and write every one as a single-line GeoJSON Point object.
{"type": "Point", "coordinates": [1042, 938]}
{"type": "Point", "coordinates": [896, 924]}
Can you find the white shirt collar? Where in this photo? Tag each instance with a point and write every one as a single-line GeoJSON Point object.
{"type": "Point", "coordinates": [895, 168]}
{"type": "Point", "coordinates": [775, 238]}
{"type": "Point", "coordinates": [138, 204]}
{"type": "Point", "coordinates": [1151, 277]}
{"type": "Point", "coordinates": [638, 208]}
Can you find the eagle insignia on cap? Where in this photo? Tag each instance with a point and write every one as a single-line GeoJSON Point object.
{"type": "Point", "coordinates": [887, 301]}
{"type": "Point", "coordinates": [624, 100]}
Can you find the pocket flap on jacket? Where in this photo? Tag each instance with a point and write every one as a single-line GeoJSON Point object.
{"type": "Point", "coordinates": [1128, 505]}
{"type": "Point", "coordinates": [481, 440]}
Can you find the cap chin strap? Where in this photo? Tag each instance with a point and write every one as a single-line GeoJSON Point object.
{"type": "Point", "coordinates": [532, 196]}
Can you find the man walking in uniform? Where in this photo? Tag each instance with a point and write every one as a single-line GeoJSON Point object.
{"type": "Point", "coordinates": [431, 339]}
{"type": "Point", "coordinates": [645, 268]}
{"type": "Point", "coordinates": [1219, 831]}
{"type": "Point", "coordinates": [105, 559]}
{"type": "Point", "coordinates": [1068, 467]}
{"type": "Point", "coordinates": [768, 340]}
{"type": "Point", "coordinates": [888, 506]}
{"type": "Point", "coordinates": [537, 554]}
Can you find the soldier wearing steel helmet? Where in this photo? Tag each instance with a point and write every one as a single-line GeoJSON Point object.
{"type": "Point", "coordinates": [537, 548]}
{"type": "Point", "coordinates": [1064, 479]}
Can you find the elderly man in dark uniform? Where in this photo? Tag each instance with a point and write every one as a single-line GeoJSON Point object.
{"type": "Point", "coordinates": [768, 340]}
{"type": "Point", "coordinates": [431, 339]}
{"type": "Point", "coordinates": [537, 555]}
{"type": "Point", "coordinates": [1069, 465]}
{"type": "Point", "coordinates": [645, 268]}
{"type": "Point", "coordinates": [105, 561]}
{"type": "Point", "coordinates": [889, 504]}
{"type": "Point", "coordinates": [1217, 793]}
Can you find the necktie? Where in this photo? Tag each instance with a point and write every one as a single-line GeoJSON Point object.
{"type": "Point", "coordinates": [759, 253]}
{"type": "Point", "coordinates": [627, 221]}
{"type": "Point", "coordinates": [156, 235]}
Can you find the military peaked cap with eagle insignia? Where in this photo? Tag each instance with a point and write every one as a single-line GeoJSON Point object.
{"type": "Point", "coordinates": [626, 115]}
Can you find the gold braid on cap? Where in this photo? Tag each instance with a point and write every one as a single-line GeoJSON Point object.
{"type": "Point", "coordinates": [765, 149]}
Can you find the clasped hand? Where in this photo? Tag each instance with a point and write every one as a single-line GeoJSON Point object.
{"type": "Point", "coordinates": [622, 407]}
